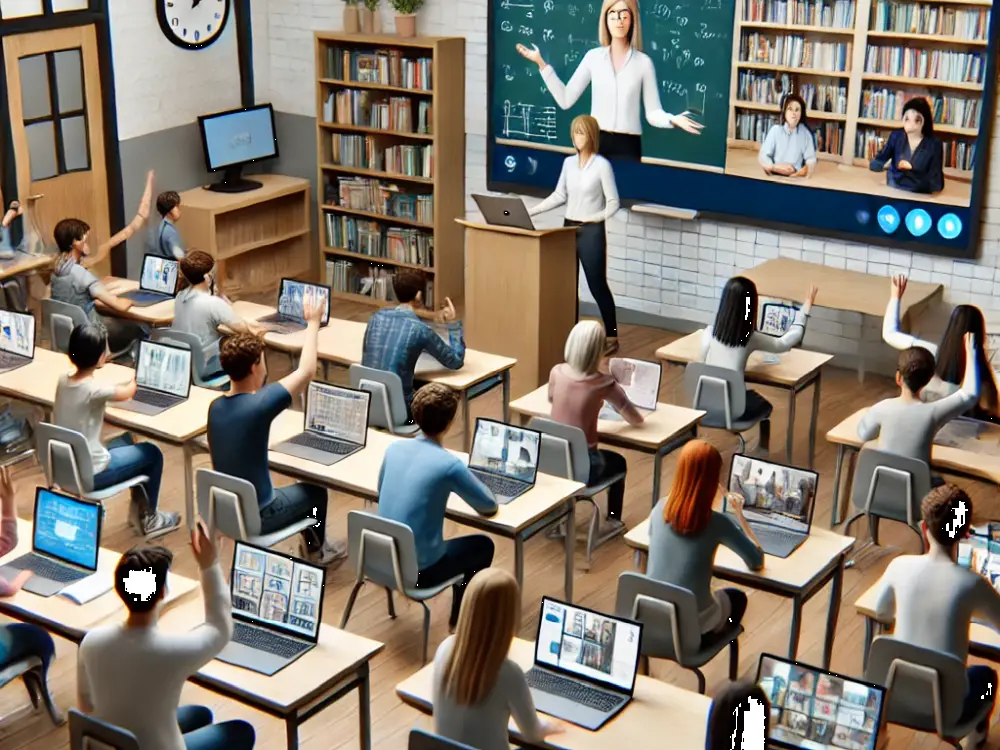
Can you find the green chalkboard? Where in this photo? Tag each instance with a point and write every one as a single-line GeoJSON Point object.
{"type": "Point", "coordinates": [689, 41]}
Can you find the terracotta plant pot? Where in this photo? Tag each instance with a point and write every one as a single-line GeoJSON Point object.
{"type": "Point", "coordinates": [406, 25]}
{"type": "Point", "coordinates": [366, 20]}
{"type": "Point", "coordinates": [376, 22]}
{"type": "Point", "coordinates": [352, 21]}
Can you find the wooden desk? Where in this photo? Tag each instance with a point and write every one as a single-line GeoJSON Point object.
{"type": "Point", "coordinates": [797, 370]}
{"type": "Point", "coordinates": [799, 577]}
{"type": "Point", "coordinates": [23, 263]}
{"type": "Point", "coordinates": [656, 707]}
{"type": "Point", "coordinates": [663, 431]}
{"type": "Point", "coordinates": [944, 458]}
{"type": "Point", "coordinates": [551, 500]}
{"type": "Point", "coordinates": [159, 315]}
{"type": "Point", "coordinates": [319, 678]}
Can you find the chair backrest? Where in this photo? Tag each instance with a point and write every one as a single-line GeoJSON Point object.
{"type": "Point", "coordinates": [382, 551]}
{"type": "Point", "coordinates": [65, 458]}
{"type": "Point", "coordinates": [926, 688]}
{"type": "Point", "coordinates": [59, 320]}
{"type": "Point", "coordinates": [557, 440]}
{"type": "Point", "coordinates": [717, 390]}
{"type": "Point", "coordinates": [88, 733]}
{"type": "Point", "coordinates": [228, 504]}
{"type": "Point", "coordinates": [388, 404]}
{"type": "Point", "coordinates": [185, 340]}
{"type": "Point", "coordinates": [421, 740]}
{"type": "Point", "coordinates": [15, 295]}
{"type": "Point", "coordinates": [890, 486]}
{"type": "Point", "coordinates": [669, 615]}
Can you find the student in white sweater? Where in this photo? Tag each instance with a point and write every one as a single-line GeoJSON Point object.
{"type": "Point", "coordinates": [131, 675]}
{"type": "Point", "coordinates": [476, 687]}
{"type": "Point", "coordinates": [932, 599]}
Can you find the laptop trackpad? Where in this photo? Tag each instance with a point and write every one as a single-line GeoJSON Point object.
{"type": "Point", "coordinates": [140, 407]}
{"type": "Point", "coordinates": [250, 658]}
{"type": "Point", "coordinates": [567, 710]}
{"type": "Point", "coordinates": [36, 584]}
{"type": "Point", "coordinates": [308, 454]}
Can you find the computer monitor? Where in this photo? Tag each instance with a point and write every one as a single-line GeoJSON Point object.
{"type": "Point", "coordinates": [234, 139]}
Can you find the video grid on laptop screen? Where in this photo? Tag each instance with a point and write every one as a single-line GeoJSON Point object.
{"type": "Point", "coordinates": [776, 318]}
{"type": "Point", "coordinates": [981, 554]}
{"type": "Point", "coordinates": [67, 528]}
{"type": "Point", "coordinates": [814, 710]}
{"type": "Point", "coordinates": [502, 449]}
{"type": "Point", "coordinates": [588, 644]}
{"type": "Point", "coordinates": [17, 333]}
{"type": "Point", "coordinates": [164, 368]}
{"type": "Point", "coordinates": [294, 295]}
{"type": "Point", "coordinates": [272, 589]}
{"type": "Point", "coordinates": [159, 274]}
{"type": "Point", "coordinates": [338, 412]}
{"type": "Point", "coordinates": [772, 493]}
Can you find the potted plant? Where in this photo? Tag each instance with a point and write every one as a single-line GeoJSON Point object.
{"type": "Point", "coordinates": [351, 20]}
{"type": "Point", "coordinates": [371, 19]}
{"type": "Point", "coordinates": [406, 16]}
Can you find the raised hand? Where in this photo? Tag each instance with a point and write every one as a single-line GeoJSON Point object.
{"type": "Point", "coordinates": [447, 313]}
{"type": "Point", "coordinates": [206, 549]}
{"type": "Point", "coordinates": [898, 286]}
{"type": "Point", "coordinates": [811, 297]}
{"type": "Point", "coordinates": [313, 309]}
{"type": "Point", "coordinates": [7, 488]}
{"type": "Point", "coordinates": [531, 53]}
{"type": "Point", "coordinates": [970, 342]}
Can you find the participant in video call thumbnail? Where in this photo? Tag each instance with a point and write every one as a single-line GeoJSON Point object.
{"type": "Point", "coordinates": [789, 150]}
{"type": "Point", "coordinates": [913, 154]}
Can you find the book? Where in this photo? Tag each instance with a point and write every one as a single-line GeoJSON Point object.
{"type": "Point", "coordinates": [639, 379]}
{"type": "Point", "coordinates": [89, 588]}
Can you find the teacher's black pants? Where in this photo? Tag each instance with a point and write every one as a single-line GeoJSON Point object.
{"type": "Point", "coordinates": [621, 146]}
{"type": "Point", "coordinates": [592, 250]}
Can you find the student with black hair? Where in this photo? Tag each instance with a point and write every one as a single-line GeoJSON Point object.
{"type": "Point", "coordinates": [739, 709]}
{"type": "Point", "coordinates": [79, 405]}
{"type": "Point", "coordinates": [789, 150]}
{"type": "Point", "coordinates": [914, 154]}
{"type": "Point", "coordinates": [164, 239]}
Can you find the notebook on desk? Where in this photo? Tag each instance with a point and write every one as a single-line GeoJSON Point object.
{"type": "Point", "coordinates": [292, 298]}
{"type": "Point", "coordinates": [505, 458]}
{"type": "Point", "coordinates": [163, 376]}
{"type": "Point", "coordinates": [17, 339]}
{"type": "Point", "coordinates": [639, 379]}
{"type": "Point", "coordinates": [157, 282]}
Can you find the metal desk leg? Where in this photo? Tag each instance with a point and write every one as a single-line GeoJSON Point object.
{"type": "Point", "coordinates": [188, 483]}
{"type": "Point", "coordinates": [365, 709]}
{"type": "Point", "coordinates": [795, 631]}
{"type": "Point", "coordinates": [833, 613]}
{"type": "Point", "coordinates": [657, 471]}
{"type": "Point", "coordinates": [835, 511]}
{"type": "Point", "coordinates": [466, 416]}
{"type": "Point", "coordinates": [570, 550]}
{"type": "Point", "coordinates": [866, 645]}
{"type": "Point", "coordinates": [851, 458]}
{"type": "Point", "coordinates": [790, 439]}
{"type": "Point", "coordinates": [292, 733]}
{"type": "Point", "coordinates": [814, 420]}
{"type": "Point", "coordinates": [505, 384]}
{"type": "Point", "coordinates": [519, 558]}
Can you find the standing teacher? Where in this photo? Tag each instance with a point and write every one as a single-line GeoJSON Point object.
{"type": "Point", "coordinates": [620, 75]}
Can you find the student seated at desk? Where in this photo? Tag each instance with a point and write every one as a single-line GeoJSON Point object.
{"type": "Point", "coordinates": [577, 391]}
{"type": "Point", "coordinates": [789, 150]}
{"type": "Point", "coordinates": [476, 687]}
{"type": "Point", "coordinates": [414, 483]}
{"type": "Point", "coordinates": [740, 711]}
{"type": "Point", "coordinates": [239, 430]}
{"type": "Point", "coordinates": [932, 599]}
{"type": "Point", "coordinates": [131, 674]}
{"type": "Point", "coordinates": [79, 405]}
{"type": "Point", "coordinates": [397, 336]}
{"type": "Point", "coordinates": [905, 425]}
{"type": "Point", "coordinates": [164, 239]}
{"type": "Point", "coordinates": [684, 533]}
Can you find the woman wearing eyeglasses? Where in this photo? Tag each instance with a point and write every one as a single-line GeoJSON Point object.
{"type": "Point", "coordinates": [621, 75]}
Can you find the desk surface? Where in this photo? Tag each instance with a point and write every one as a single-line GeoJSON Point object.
{"type": "Point", "coordinates": [683, 714]}
{"type": "Point", "coordinates": [795, 366]}
{"type": "Point", "coordinates": [160, 314]}
{"type": "Point", "coordinates": [795, 571]}
{"type": "Point", "coordinates": [658, 429]}
{"type": "Point", "coordinates": [23, 263]}
{"type": "Point", "coordinates": [336, 657]}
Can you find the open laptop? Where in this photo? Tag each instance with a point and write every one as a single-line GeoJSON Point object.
{"type": "Point", "coordinates": [336, 425]}
{"type": "Point", "coordinates": [639, 379]}
{"type": "Point", "coordinates": [585, 664]}
{"type": "Point", "coordinates": [813, 709]}
{"type": "Point", "coordinates": [292, 296]}
{"type": "Point", "coordinates": [157, 282]}
{"type": "Point", "coordinates": [776, 318]}
{"type": "Point", "coordinates": [504, 211]}
{"type": "Point", "coordinates": [163, 374]}
{"type": "Point", "coordinates": [17, 339]}
{"type": "Point", "coordinates": [505, 458]}
{"type": "Point", "coordinates": [778, 501]}
{"type": "Point", "coordinates": [277, 608]}
{"type": "Point", "coordinates": [65, 539]}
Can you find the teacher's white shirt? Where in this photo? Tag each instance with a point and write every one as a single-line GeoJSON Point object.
{"type": "Point", "coordinates": [589, 192]}
{"type": "Point", "coordinates": [614, 99]}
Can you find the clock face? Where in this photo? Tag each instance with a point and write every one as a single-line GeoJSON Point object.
{"type": "Point", "coordinates": [192, 24]}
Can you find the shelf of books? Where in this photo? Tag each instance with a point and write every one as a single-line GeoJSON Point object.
{"type": "Point", "coordinates": [391, 156]}
{"type": "Point", "coordinates": [855, 63]}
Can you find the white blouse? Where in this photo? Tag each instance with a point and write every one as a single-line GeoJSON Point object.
{"type": "Point", "coordinates": [614, 99]}
{"type": "Point", "coordinates": [589, 192]}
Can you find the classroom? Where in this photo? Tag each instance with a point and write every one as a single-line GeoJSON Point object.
{"type": "Point", "coordinates": [644, 354]}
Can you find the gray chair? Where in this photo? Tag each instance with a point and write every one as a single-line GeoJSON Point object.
{"type": "Point", "coordinates": [30, 671]}
{"type": "Point", "coordinates": [388, 405]}
{"type": "Point", "coordinates": [722, 394]}
{"type": "Point", "coordinates": [199, 361]}
{"type": "Point", "coordinates": [564, 453]}
{"type": "Point", "coordinates": [229, 505]}
{"type": "Point", "coordinates": [60, 318]}
{"type": "Point", "coordinates": [669, 615]}
{"type": "Point", "coordinates": [925, 689]}
{"type": "Point", "coordinates": [421, 740]}
{"type": "Point", "coordinates": [385, 553]}
{"type": "Point", "coordinates": [15, 294]}
{"type": "Point", "coordinates": [88, 733]}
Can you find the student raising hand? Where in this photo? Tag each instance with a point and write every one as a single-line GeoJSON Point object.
{"type": "Point", "coordinates": [447, 313]}
{"type": "Point", "coordinates": [313, 309]}
{"type": "Point", "coordinates": [898, 286]}
{"type": "Point", "coordinates": [206, 549]}
{"type": "Point", "coordinates": [811, 297]}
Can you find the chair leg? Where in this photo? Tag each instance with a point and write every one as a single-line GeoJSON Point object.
{"type": "Point", "coordinates": [592, 533]}
{"type": "Point", "coordinates": [41, 685]}
{"type": "Point", "coordinates": [427, 629]}
{"type": "Point", "coordinates": [741, 445]}
{"type": "Point", "coordinates": [873, 527]}
{"type": "Point", "coordinates": [701, 681]}
{"type": "Point", "coordinates": [734, 659]}
{"type": "Point", "coordinates": [350, 604]}
{"type": "Point", "coordinates": [32, 687]}
{"type": "Point", "coordinates": [392, 606]}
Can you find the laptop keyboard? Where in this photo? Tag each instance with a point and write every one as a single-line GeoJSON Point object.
{"type": "Point", "coordinates": [46, 568]}
{"type": "Point", "coordinates": [155, 398]}
{"type": "Point", "coordinates": [600, 700]}
{"type": "Point", "coordinates": [263, 640]}
{"type": "Point", "coordinates": [775, 535]}
{"type": "Point", "coordinates": [11, 360]}
{"type": "Point", "coordinates": [140, 296]}
{"type": "Point", "coordinates": [325, 444]}
{"type": "Point", "coordinates": [501, 486]}
{"type": "Point", "coordinates": [282, 324]}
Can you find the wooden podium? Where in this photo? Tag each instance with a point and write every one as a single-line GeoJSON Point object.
{"type": "Point", "coordinates": [520, 297]}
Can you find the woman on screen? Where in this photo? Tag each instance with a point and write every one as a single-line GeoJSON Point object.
{"type": "Point", "coordinates": [789, 150]}
{"type": "Point", "coordinates": [587, 187]}
{"type": "Point", "coordinates": [914, 155]}
{"type": "Point", "coordinates": [738, 718]}
{"type": "Point", "coordinates": [620, 75]}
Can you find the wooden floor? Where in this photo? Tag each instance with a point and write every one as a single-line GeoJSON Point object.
{"type": "Point", "coordinates": [766, 622]}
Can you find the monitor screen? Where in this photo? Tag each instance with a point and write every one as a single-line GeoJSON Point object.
{"type": "Point", "coordinates": [503, 449]}
{"type": "Point", "coordinates": [293, 295]}
{"type": "Point", "coordinates": [67, 528]}
{"type": "Point", "coordinates": [164, 368]}
{"type": "Point", "coordinates": [159, 274]}
{"type": "Point", "coordinates": [17, 333]}
{"type": "Point", "coordinates": [274, 589]}
{"type": "Point", "coordinates": [773, 493]}
{"type": "Point", "coordinates": [239, 137]}
{"type": "Point", "coordinates": [585, 643]}
{"type": "Point", "coordinates": [338, 412]}
{"type": "Point", "coordinates": [776, 318]}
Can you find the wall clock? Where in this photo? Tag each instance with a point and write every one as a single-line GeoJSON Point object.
{"type": "Point", "coordinates": [192, 24]}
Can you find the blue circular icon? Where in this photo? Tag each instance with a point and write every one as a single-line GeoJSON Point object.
{"type": "Point", "coordinates": [888, 219]}
{"type": "Point", "coordinates": [918, 222]}
{"type": "Point", "coordinates": [949, 226]}
{"type": "Point", "coordinates": [863, 217]}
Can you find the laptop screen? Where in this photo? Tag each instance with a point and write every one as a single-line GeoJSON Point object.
{"type": "Point", "coordinates": [17, 333]}
{"type": "Point", "coordinates": [338, 412]}
{"type": "Point", "coordinates": [588, 644]}
{"type": "Point", "coordinates": [293, 295]}
{"type": "Point", "coordinates": [773, 493]}
{"type": "Point", "coordinates": [776, 318]}
{"type": "Point", "coordinates": [277, 591]}
{"type": "Point", "coordinates": [504, 449]}
{"type": "Point", "coordinates": [813, 709]}
{"type": "Point", "coordinates": [67, 528]}
{"type": "Point", "coordinates": [164, 368]}
{"type": "Point", "coordinates": [639, 379]}
{"type": "Point", "coordinates": [981, 554]}
{"type": "Point", "coordinates": [159, 274]}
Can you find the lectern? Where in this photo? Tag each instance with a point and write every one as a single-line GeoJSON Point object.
{"type": "Point", "coordinates": [520, 297]}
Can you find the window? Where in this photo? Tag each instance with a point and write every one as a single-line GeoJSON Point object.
{"type": "Point", "coordinates": [55, 114]}
{"type": "Point", "coordinates": [26, 8]}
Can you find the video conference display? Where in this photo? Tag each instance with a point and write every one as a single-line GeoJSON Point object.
{"type": "Point", "coordinates": [164, 368]}
{"type": "Point", "coordinates": [338, 412]}
{"type": "Point", "coordinates": [159, 275]}
{"type": "Point", "coordinates": [859, 160]}
{"type": "Point", "coordinates": [980, 553]}
{"type": "Point", "coordinates": [501, 449]}
{"type": "Point", "coordinates": [273, 589]}
{"type": "Point", "coordinates": [295, 294]}
{"type": "Point", "coordinates": [773, 493]}
{"type": "Point", "coordinates": [67, 528]}
{"type": "Point", "coordinates": [17, 333]}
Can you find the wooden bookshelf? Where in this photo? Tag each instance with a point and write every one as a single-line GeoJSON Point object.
{"type": "Point", "coordinates": [445, 137]}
